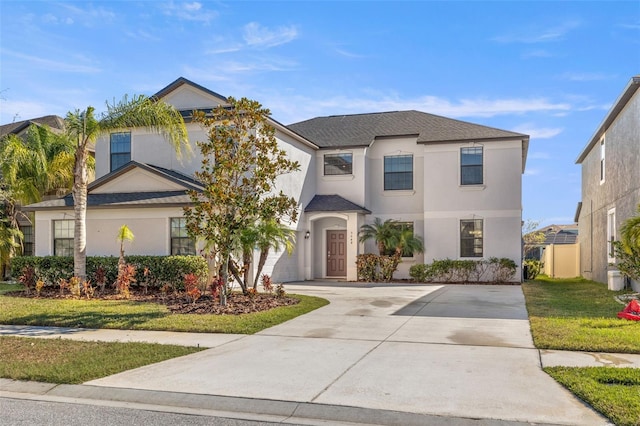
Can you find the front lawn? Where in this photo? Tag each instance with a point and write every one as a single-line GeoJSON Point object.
{"type": "Point", "coordinates": [68, 361]}
{"type": "Point", "coordinates": [577, 314]}
{"type": "Point", "coordinates": [615, 392]}
{"type": "Point", "coordinates": [130, 315]}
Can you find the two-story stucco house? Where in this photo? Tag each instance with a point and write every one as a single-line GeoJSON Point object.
{"type": "Point", "coordinates": [610, 182]}
{"type": "Point", "coordinates": [457, 184]}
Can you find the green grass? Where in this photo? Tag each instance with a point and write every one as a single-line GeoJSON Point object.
{"type": "Point", "coordinates": [577, 314]}
{"type": "Point", "coordinates": [122, 314]}
{"type": "Point", "coordinates": [615, 392]}
{"type": "Point", "coordinates": [68, 361]}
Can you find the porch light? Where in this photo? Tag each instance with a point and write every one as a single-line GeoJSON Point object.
{"type": "Point", "coordinates": [307, 235]}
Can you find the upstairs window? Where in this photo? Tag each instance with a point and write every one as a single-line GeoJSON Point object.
{"type": "Point", "coordinates": [63, 233]}
{"type": "Point", "coordinates": [120, 145]}
{"type": "Point", "coordinates": [398, 172]}
{"type": "Point", "coordinates": [338, 164]}
{"type": "Point", "coordinates": [602, 160]}
{"type": "Point", "coordinates": [181, 243]}
{"type": "Point", "coordinates": [471, 166]}
{"type": "Point", "coordinates": [471, 238]}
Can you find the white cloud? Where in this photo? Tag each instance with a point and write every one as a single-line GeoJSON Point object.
{"type": "Point", "coordinates": [142, 35]}
{"type": "Point", "coordinates": [531, 172]}
{"type": "Point", "coordinates": [538, 132]}
{"type": "Point", "coordinates": [538, 156]}
{"type": "Point", "coordinates": [291, 108]}
{"type": "Point", "coordinates": [541, 35]}
{"type": "Point", "coordinates": [88, 16]}
{"type": "Point", "coordinates": [51, 65]}
{"type": "Point", "coordinates": [348, 54]}
{"type": "Point", "coordinates": [259, 36]}
{"type": "Point", "coordinates": [537, 53]}
{"type": "Point", "coordinates": [586, 76]}
{"type": "Point", "coordinates": [193, 11]}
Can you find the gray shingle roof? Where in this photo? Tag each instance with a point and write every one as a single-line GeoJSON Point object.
{"type": "Point", "coordinates": [362, 129]}
{"type": "Point", "coordinates": [117, 200]}
{"type": "Point", "coordinates": [333, 203]}
{"type": "Point", "coordinates": [54, 122]}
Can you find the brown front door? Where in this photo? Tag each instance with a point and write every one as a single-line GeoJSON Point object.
{"type": "Point", "coordinates": [336, 253]}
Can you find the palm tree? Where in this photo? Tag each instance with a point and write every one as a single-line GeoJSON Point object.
{"type": "Point", "coordinates": [630, 232]}
{"type": "Point", "coordinates": [124, 234]}
{"type": "Point", "coordinates": [38, 165]}
{"type": "Point", "coordinates": [406, 243]}
{"type": "Point", "coordinates": [272, 235]}
{"type": "Point", "coordinates": [84, 127]}
{"type": "Point", "coordinates": [383, 233]}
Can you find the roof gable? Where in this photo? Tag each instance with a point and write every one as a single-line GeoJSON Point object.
{"type": "Point", "coordinates": [54, 122]}
{"type": "Point", "coordinates": [184, 94]}
{"type": "Point", "coordinates": [139, 177]}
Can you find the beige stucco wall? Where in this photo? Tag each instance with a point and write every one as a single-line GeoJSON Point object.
{"type": "Point", "coordinates": [562, 260]}
{"type": "Point", "coordinates": [498, 201]}
{"type": "Point", "coordinates": [150, 227]}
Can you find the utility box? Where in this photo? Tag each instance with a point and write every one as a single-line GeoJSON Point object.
{"type": "Point", "coordinates": [615, 280]}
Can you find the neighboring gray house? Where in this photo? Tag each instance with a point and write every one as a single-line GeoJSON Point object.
{"type": "Point", "coordinates": [610, 182]}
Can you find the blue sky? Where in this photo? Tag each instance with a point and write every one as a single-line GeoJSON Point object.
{"type": "Point", "coordinates": [548, 69]}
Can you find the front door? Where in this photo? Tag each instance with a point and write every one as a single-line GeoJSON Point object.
{"type": "Point", "coordinates": [336, 253]}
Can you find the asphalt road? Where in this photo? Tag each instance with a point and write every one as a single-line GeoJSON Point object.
{"type": "Point", "coordinates": [14, 412]}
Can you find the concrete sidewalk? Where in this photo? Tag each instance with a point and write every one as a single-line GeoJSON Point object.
{"type": "Point", "coordinates": [381, 355]}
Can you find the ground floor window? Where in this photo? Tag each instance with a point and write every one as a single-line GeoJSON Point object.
{"type": "Point", "coordinates": [471, 238]}
{"type": "Point", "coordinates": [27, 240]}
{"type": "Point", "coordinates": [63, 234]}
{"type": "Point", "coordinates": [181, 243]}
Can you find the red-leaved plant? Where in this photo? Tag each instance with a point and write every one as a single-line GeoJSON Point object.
{"type": "Point", "coordinates": [267, 284]}
{"type": "Point", "coordinates": [191, 287]}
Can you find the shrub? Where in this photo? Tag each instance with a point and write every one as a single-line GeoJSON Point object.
{"type": "Point", "coordinates": [388, 265]}
{"type": "Point", "coordinates": [367, 265]}
{"type": "Point", "coordinates": [104, 269]}
{"type": "Point", "coordinates": [126, 276]}
{"type": "Point", "coordinates": [420, 272]}
{"type": "Point", "coordinates": [28, 278]}
{"type": "Point", "coordinates": [534, 267]}
{"type": "Point", "coordinates": [267, 284]}
{"type": "Point", "coordinates": [191, 283]}
{"type": "Point", "coordinates": [503, 269]}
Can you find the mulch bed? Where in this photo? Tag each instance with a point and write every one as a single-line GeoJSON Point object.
{"type": "Point", "coordinates": [178, 303]}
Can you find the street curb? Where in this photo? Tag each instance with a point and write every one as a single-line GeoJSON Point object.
{"type": "Point", "coordinates": [286, 412]}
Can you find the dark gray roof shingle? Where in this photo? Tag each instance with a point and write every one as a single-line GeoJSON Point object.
{"type": "Point", "coordinates": [54, 122]}
{"type": "Point", "coordinates": [137, 199]}
{"type": "Point", "coordinates": [362, 129]}
{"type": "Point", "coordinates": [333, 203]}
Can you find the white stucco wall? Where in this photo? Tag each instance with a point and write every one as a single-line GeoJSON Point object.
{"type": "Point", "coordinates": [498, 201]}
{"type": "Point", "coordinates": [351, 187]}
{"type": "Point", "coordinates": [149, 225]}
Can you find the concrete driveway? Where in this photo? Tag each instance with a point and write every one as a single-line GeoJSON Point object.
{"type": "Point", "coordinates": [456, 351]}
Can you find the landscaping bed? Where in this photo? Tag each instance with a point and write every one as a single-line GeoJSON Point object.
{"type": "Point", "coordinates": [179, 303]}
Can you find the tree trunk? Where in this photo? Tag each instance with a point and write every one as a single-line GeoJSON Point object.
{"type": "Point", "coordinates": [224, 275]}
{"type": "Point", "coordinates": [263, 259]}
{"type": "Point", "coordinates": [236, 275]}
{"type": "Point", "coordinates": [80, 213]}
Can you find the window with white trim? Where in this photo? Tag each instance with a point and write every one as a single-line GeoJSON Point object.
{"type": "Point", "coordinates": [27, 240]}
{"type": "Point", "coordinates": [338, 164]}
{"type": "Point", "coordinates": [471, 165]}
{"type": "Point", "coordinates": [611, 235]}
{"type": "Point", "coordinates": [471, 236]}
{"type": "Point", "coordinates": [120, 145]}
{"type": "Point", "coordinates": [181, 243]}
{"type": "Point", "coordinates": [398, 172]}
{"type": "Point", "coordinates": [602, 160]}
{"type": "Point", "coordinates": [63, 233]}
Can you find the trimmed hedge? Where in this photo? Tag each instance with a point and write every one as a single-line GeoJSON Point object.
{"type": "Point", "coordinates": [161, 269]}
{"type": "Point", "coordinates": [500, 270]}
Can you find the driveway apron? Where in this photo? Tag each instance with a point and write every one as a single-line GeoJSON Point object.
{"type": "Point", "coordinates": [456, 350]}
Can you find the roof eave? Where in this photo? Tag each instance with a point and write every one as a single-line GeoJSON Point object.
{"type": "Point", "coordinates": [617, 107]}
